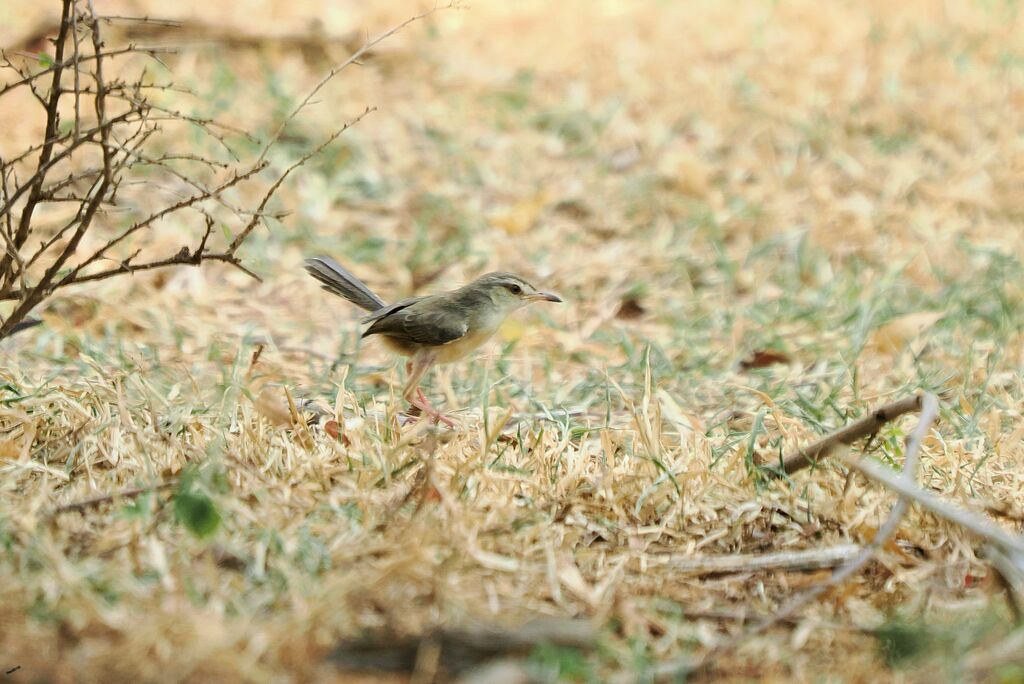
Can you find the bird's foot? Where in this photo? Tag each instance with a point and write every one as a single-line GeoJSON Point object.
{"type": "Point", "coordinates": [435, 416]}
{"type": "Point", "coordinates": [441, 418]}
{"type": "Point", "coordinates": [420, 402]}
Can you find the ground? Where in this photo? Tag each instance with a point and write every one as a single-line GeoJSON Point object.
{"type": "Point", "coordinates": [764, 218]}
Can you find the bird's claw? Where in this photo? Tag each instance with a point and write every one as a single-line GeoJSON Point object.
{"type": "Point", "coordinates": [444, 419]}
{"type": "Point", "coordinates": [420, 402]}
{"type": "Point", "coordinates": [409, 419]}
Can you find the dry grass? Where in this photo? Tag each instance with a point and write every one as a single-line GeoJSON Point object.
{"type": "Point", "coordinates": [839, 182]}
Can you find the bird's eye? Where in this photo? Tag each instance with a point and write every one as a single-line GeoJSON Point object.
{"type": "Point", "coordinates": [515, 289]}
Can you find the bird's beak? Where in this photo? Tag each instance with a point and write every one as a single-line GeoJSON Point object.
{"type": "Point", "coordinates": [544, 297]}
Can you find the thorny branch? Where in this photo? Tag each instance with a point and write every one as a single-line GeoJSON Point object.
{"type": "Point", "coordinates": [352, 59]}
{"type": "Point", "coordinates": [27, 78]}
{"type": "Point", "coordinates": [52, 120]}
{"type": "Point", "coordinates": [237, 242]}
{"type": "Point", "coordinates": [94, 160]}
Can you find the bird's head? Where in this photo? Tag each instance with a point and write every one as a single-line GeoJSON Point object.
{"type": "Point", "coordinates": [509, 291]}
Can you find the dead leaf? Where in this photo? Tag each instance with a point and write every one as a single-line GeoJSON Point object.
{"type": "Point", "coordinates": [494, 561]}
{"type": "Point", "coordinates": [630, 308]}
{"type": "Point", "coordinates": [900, 332]}
{"type": "Point", "coordinates": [506, 438]}
{"type": "Point", "coordinates": [974, 190]}
{"type": "Point", "coordinates": [761, 358]}
{"type": "Point", "coordinates": [672, 412]}
{"type": "Point", "coordinates": [574, 209]}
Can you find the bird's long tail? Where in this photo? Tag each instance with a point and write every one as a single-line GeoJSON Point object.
{"type": "Point", "coordinates": [336, 280]}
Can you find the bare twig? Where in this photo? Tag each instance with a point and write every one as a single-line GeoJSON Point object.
{"type": "Point", "coordinates": [206, 124]}
{"type": "Point", "coordinates": [155, 21]}
{"type": "Point", "coordinates": [100, 98]}
{"type": "Point", "coordinates": [868, 425]}
{"type": "Point", "coordinates": [131, 49]}
{"type": "Point", "coordinates": [41, 171]}
{"type": "Point", "coordinates": [182, 258]}
{"type": "Point", "coordinates": [257, 215]}
{"type": "Point", "coordinates": [74, 277]}
{"type": "Point", "coordinates": [101, 499]}
{"type": "Point", "coordinates": [52, 121]}
{"type": "Point", "coordinates": [353, 59]}
{"type": "Point", "coordinates": [1011, 575]}
{"type": "Point", "coordinates": [974, 523]}
{"type": "Point", "coordinates": [136, 140]}
{"type": "Point", "coordinates": [76, 63]}
{"type": "Point", "coordinates": [8, 231]}
{"type": "Point", "coordinates": [804, 559]}
{"type": "Point", "coordinates": [929, 412]}
{"type": "Point", "coordinates": [35, 261]}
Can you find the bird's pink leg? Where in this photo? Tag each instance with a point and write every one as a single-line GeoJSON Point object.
{"type": "Point", "coordinates": [431, 411]}
{"type": "Point", "coordinates": [417, 367]}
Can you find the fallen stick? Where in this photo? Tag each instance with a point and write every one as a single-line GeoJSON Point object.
{"type": "Point", "coordinates": [1009, 651]}
{"type": "Point", "coordinates": [104, 498]}
{"type": "Point", "coordinates": [1011, 576]}
{"type": "Point", "coordinates": [1013, 544]}
{"type": "Point", "coordinates": [453, 651]}
{"type": "Point", "coordinates": [863, 427]}
{"type": "Point", "coordinates": [929, 405]}
{"type": "Point", "coordinates": [929, 412]}
{"type": "Point", "coordinates": [808, 559]}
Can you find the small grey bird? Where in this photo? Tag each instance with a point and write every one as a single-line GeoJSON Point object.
{"type": "Point", "coordinates": [438, 328]}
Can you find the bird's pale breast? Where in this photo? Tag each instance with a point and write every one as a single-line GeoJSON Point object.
{"type": "Point", "coordinates": [456, 349]}
{"type": "Point", "coordinates": [446, 353]}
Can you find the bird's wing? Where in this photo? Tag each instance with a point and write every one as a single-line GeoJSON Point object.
{"type": "Point", "coordinates": [389, 309]}
{"type": "Point", "coordinates": [419, 324]}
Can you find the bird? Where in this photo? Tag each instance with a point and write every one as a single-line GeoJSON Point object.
{"type": "Point", "coordinates": [432, 329]}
